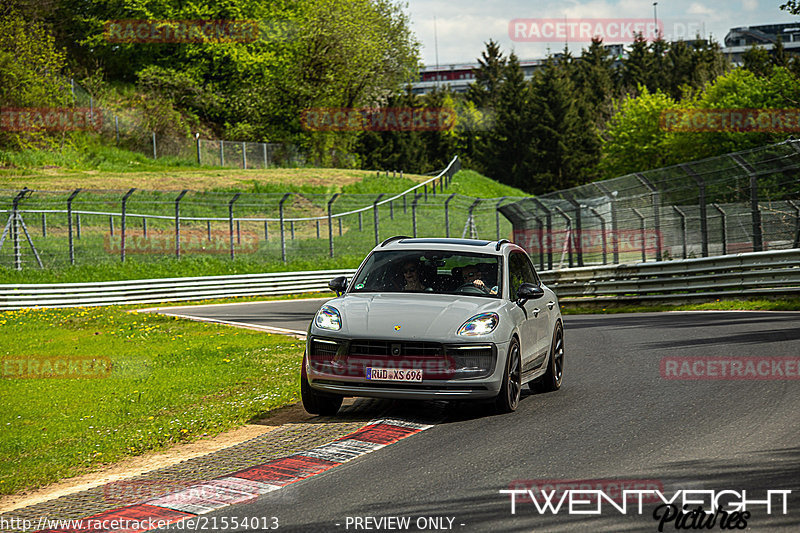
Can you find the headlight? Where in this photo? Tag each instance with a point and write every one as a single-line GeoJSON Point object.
{"type": "Point", "coordinates": [328, 318]}
{"type": "Point", "coordinates": [482, 324]}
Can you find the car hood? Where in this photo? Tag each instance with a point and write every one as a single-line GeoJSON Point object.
{"type": "Point", "coordinates": [408, 316]}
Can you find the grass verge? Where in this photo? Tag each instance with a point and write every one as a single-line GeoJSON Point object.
{"type": "Point", "coordinates": [154, 381]}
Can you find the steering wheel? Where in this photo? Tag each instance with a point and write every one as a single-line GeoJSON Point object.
{"type": "Point", "coordinates": [471, 288]}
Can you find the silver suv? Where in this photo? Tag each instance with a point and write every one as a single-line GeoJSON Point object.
{"type": "Point", "coordinates": [435, 319]}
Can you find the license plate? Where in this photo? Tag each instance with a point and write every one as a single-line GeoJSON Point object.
{"type": "Point", "coordinates": [394, 374]}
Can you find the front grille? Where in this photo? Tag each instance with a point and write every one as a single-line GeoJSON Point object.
{"type": "Point", "coordinates": [472, 360]}
{"type": "Point", "coordinates": [323, 349]}
{"type": "Point", "coordinates": [390, 348]}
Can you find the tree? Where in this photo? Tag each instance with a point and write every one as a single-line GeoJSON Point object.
{"type": "Point", "coordinates": [565, 144]}
{"type": "Point", "coordinates": [485, 90]}
{"type": "Point", "coordinates": [505, 152]}
{"type": "Point", "coordinates": [636, 67]}
{"type": "Point", "coordinates": [756, 59]}
{"type": "Point", "coordinates": [594, 80]}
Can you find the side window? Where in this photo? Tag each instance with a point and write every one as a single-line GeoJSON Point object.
{"type": "Point", "coordinates": [520, 271]}
{"type": "Point", "coordinates": [516, 273]}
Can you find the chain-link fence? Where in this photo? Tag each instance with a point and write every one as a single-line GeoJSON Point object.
{"type": "Point", "coordinates": [741, 202]}
{"type": "Point", "coordinates": [94, 227]}
{"type": "Point", "coordinates": [129, 129]}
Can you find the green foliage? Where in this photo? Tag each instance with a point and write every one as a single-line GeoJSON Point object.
{"type": "Point", "coordinates": [634, 140]}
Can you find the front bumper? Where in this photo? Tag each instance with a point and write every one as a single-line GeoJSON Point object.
{"type": "Point", "coordinates": [344, 374]}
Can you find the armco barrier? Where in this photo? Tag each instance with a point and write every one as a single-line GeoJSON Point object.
{"type": "Point", "coordinates": [748, 274]}
{"type": "Point", "coordinates": [164, 290]}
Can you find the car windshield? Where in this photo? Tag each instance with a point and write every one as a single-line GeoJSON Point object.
{"type": "Point", "coordinates": [430, 271]}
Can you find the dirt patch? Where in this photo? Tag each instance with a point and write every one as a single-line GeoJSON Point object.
{"type": "Point", "coordinates": [134, 466]}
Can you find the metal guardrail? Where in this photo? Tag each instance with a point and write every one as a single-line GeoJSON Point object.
{"type": "Point", "coordinates": [748, 274]}
{"type": "Point", "coordinates": [163, 290]}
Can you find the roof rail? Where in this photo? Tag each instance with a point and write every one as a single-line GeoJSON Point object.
{"type": "Point", "coordinates": [500, 243]}
{"type": "Point", "coordinates": [395, 238]}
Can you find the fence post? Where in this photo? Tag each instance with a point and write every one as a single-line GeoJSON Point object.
{"type": "Point", "coordinates": [425, 190]}
{"type": "Point", "coordinates": [122, 223]}
{"type": "Point", "coordinates": [497, 215]}
{"type": "Point", "coordinates": [291, 229]}
{"type": "Point", "coordinates": [111, 224]}
{"type": "Point", "coordinates": [317, 221]}
{"type": "Point", "coordinates": [642, 232]}
{"type": "Point", "coordinates": [541, 243]}
{"type": "Point", "coordinates": [577, 238]}
{"type": "Point", "coordinates": [208, 230]}
{"type": "Point", "coordinates": [340, 226]}
{"type": "Point", "coordinates": [155, 153]}
{"type": "Point", "coordinates": [78, 227]}
{"type": "Point", "coordinates": [404, 204]}
{"type": "Point", "coordinates": [447, 215]}
{"type": "Point", "coordinates": [612, 203]}
{"type": "Point", "coordinates": [44, 225]}
{"type": "Point", "coordinates": [360, 225]}
{"type": "Point", "coordinates": [548, 218]}
{"type": "Point", "coordinates": [796, 243]}
{"type": "Point", "coordinates": [414, 215]}
{"type": "Point", "coordinates": [701, 198]}
{"type": "Point", "coordinates": [230, 221]}
{"type": "Point", "coordinates": [683, 228]}
{"type": "Point", "coordinates": [655, 199]}
{"type": "Point", "coordinates": [568, 221]}
{"type": "Point", "coordinates": [264, 149]}
{"type": "Point", "coordinates": [244, 155]}
{"type": "Point", "coordinates": [473, 232]}
{"type": "Point", "coordinates": [144, 227]}
{"type": "Point", "coordinates": [375, 216]}
{"type": "Point", "coordinates": [283, 229]}
{"type": "Point", "coordinates": [238, 232]}
{"type": "Point", "coordinates": [330, 224]}
{"type": "Point", "coordinates": [197, 146]}
{"type": "Point", "coordinates": [391, 210]}
{"type": "Point", "coordinates": [178, 221]}
{"type": "Point", "coordinates": [724, 221]}
{"type": "Point", "coordinates": [69, 225]}
{"type": "Point", "coordinates": [266, 231]}
{"type": "Point", "coordinates": [221, 153]}
{"type": "Point", "coordinates": [758, 239]}
{"type": "Point", "coordinates": [602, 231]}
{"type": "Point", "coordinates": [116, 128]}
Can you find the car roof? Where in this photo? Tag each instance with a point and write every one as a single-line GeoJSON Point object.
{"type": "Point", "coordinates": [437, 243]}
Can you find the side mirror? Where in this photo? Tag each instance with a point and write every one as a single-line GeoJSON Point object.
{"type": "Point", "coordinates": [338, 285]}
{"type": "Point", "coordinates": [528, 291]}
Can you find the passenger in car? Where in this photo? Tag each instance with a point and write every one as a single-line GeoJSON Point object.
{"type": "Point", "coordinates": [411, 276]}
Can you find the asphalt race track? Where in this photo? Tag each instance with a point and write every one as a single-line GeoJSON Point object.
{"type": "Point", "coordinates": [615, 420]}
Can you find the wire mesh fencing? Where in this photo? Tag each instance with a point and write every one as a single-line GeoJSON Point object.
{"type": "Point", "coordinates": [740, 202]}
{"type": "Point", "coordinates": [54, 229]}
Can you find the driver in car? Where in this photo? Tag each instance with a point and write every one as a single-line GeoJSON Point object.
{"type": "Point", "coordinates": [472, 274]}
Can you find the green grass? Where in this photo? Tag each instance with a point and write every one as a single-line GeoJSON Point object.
{"type": "Point", "coordinates": [170, 381]}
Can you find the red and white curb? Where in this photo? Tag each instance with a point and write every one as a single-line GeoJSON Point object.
{"type": "Point", "coordinates": [248, 484]}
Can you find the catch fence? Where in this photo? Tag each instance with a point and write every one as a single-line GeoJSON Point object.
{"type": "Point", "coordinates": [747, 201]}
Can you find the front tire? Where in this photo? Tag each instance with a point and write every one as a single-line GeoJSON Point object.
{"type": "Point", "coordinates": [317, 403]}
{"type": "Point", "coordinates": [508, 398]}
{"type": "Point", "coordinates": [552, 378]}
